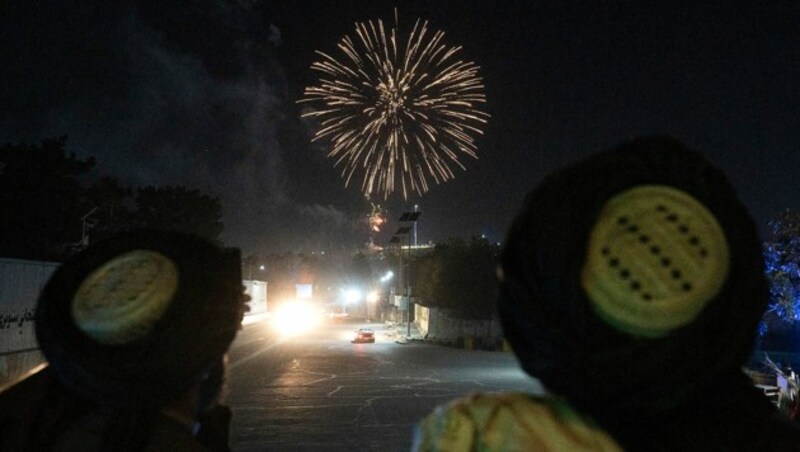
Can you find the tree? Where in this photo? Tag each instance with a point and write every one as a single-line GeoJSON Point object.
{"type": "Point", "coordinates": [46, 209]}
{"type": "Point", "coordinates": [782, 265]}
{"type": "Point", "coordinates": [179, 209]}
{"type": "Point", "coordinates": [41, 199]}
{"type": "Point", "coordinates": [459, 275]}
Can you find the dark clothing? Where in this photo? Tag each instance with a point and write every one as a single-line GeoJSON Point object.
{"type": "Point", "coordinates": [114, 391]}
{"type": "Point", "coordinates": [40, 414]}
{"type": "Point", "coordinates": [679, 391]}
{"type": "Point", "coordinates": [551, 323]}
{"type": "Point", "coordinates": [735, 417]}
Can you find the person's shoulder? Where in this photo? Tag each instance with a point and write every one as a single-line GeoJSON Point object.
{"type": "Point", "coordinates": [509, 421]}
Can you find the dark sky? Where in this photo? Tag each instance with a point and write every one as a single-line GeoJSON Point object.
{"type": "Point", "coordinates": [204, 94]}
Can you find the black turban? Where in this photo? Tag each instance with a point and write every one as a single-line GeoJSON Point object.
{"type": "Point", "coordinates": [191, 335]}
{"type": "Point", "coordinates": [547, 316]}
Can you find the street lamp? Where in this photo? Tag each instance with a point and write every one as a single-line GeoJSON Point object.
{"type": "Point", "coordinates": [409, 217]}
{"type": "Point", "coordinates": [416, 210]}
{"type": "Point", "coordinates": [250, 261]}
{"type": "Point", "coordinates": [396, 240]}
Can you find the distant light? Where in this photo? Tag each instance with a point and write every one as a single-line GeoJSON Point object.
{"type": "Point", "coordinates": [372, 297]}
{"type": "Point", "coordinates": [261, 267]}
{"type": "Point", "coordinates": [389, 275]}
{"type": "Point", "coordinates": [352, 296]}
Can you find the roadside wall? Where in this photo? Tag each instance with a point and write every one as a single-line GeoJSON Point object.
{"type": "Point", "coordinates": [396, 310]}
{"type": "Point", "coordinates": [21, 281]}
{"type": "Point", "coordinates": [441, 325]}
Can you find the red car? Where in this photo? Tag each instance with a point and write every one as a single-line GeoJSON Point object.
{"type": "Point", "coordinates": [364, 335]}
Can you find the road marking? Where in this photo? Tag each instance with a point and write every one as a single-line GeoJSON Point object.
{"type": "Point", "coordinates": [335, 391]}
{"type": "Point", "coordinates": [254, 355]}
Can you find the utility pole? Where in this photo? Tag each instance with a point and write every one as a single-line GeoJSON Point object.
{"type": "Point", "coordinates": [416, 209]}
{"type": "Point", "coordinates": [409, 217]}
{"type": "Point", "coordinates": [408, 288]}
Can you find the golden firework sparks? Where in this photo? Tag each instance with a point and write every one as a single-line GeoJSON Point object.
{"type": "Point", "coordinates": [376, 218]}
{"type": "Point", "coordinates": [397, 111]}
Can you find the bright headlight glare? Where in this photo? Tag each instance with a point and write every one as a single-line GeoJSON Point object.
{"type": "Point", "coordinates": [352, 296]}
{"type": "Point", "coordinates": [296, 318]}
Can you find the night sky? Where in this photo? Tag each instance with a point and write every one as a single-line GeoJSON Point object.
{"type": "Point", "coordinates": [205, 96]}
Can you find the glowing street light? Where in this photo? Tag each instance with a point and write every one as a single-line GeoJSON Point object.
{"type": "Point", "coordinates": [352, 296]}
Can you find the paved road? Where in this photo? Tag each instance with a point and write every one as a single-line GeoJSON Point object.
{"type": "Point", "coordinates": [320, 392]}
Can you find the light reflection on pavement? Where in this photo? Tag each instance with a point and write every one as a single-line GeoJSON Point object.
{"type": "Point", "coordinates": [321, 392]}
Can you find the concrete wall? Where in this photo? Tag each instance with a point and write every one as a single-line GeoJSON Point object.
{"type": "Point", "coordinates": [441, 325]}
{"type": "Point", "coordinates": [21, 282]}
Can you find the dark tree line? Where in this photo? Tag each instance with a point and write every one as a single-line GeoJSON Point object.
{"type": "Point", "coordinates": [49, 206]}
{"type": "Point", "coordinates": [782, 264]}
{"type": "Point", "coordinates": [459, 275]}
{"type": "Point", "coordinates": [782, 261]}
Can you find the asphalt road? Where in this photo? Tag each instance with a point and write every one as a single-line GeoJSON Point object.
{"type": "Point", "coordinates": [321, 392]}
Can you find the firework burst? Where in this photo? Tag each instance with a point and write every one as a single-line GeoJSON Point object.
{"type": "Point", "coordinates": [376, 218]}
{"type": "Point", "coordinates": [397, 110]}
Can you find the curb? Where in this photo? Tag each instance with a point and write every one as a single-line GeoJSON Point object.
{"type": "Point", "coordinates": [468, 343]}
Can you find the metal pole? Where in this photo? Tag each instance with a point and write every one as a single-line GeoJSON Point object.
{"type": "Point", "coordinates": [399, 319]}
{"type": "Point", "coordinates": [408, 287]}
{"type": "Point", "coordinates": [416, 209]}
